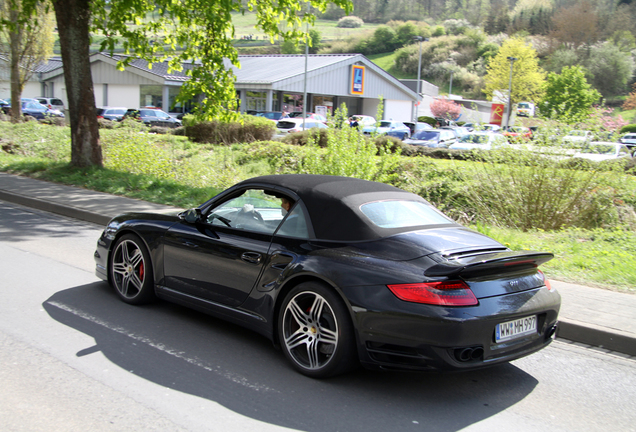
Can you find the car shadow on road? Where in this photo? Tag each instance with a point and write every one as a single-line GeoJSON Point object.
{"type": "Point", "coordinates": [194, 353]}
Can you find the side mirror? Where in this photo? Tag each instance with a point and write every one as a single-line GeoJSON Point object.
{"type": "Point", "coordinates": [192, 215]}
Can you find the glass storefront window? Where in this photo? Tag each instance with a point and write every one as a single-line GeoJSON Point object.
{"type": "Point", "coordinates": [151, 95]}
{"type": "Point", "coordinates": [292, 102]}
{"type": "Point", "coordinates": [326, 101]}
{"type": "Point", "coordinates": [256, 101]}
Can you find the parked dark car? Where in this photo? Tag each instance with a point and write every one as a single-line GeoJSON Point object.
{"type": "Point", "coordinates": [153, 117]}
{"type": "Point", "coordinates": [415, 127]}
{"type": "Point", "coordinates": [270, 115]}
{"type": "Point", "coordinates": [33, 108]}
{"type": "Point", "coordinates": [338, 271]}
{"type": "Point", "coordinates": [111, 113]}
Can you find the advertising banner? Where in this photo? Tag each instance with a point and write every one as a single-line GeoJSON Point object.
{"type": "Point", "coordinates": [497, 113]}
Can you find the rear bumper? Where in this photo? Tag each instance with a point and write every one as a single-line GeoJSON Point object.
{"type": "Point", "coordinates": [420, 337]}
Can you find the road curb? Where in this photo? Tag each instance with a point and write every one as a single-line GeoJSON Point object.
{"type": "Point", "coordinates": [64, 210]}
{"type": "Point", "coordinates": [590, 334]}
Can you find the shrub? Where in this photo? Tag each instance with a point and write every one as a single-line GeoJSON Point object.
{"type": "Point", "coordinates": [130, 152]}
{"type": "Point", "coordinates": [439, 31]}
{"type": "Point", "coordinates": [628, 129]}
{"type": "Point", "coordinates": [350, 22]}
{"type": "Point", "coordinates": [350, 154]}
{"type": "Point", "coordinates": [518, 189]}
{"type": "Point", "coordinates": [247, 129]}
{"type": "Point", "coordinates": [54, 121]}
{"type": "Point", "coordinates": [426, 119]}
{"type": "Point", "coordinates": [107, 124]}
{"type": "Point", "coordinates": [160, 130]}
{"type": "Point", "coordinates": [318, 136]}
{"type": "Point", "coordinates": [388, 143]}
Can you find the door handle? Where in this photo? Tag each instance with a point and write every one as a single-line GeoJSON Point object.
{"type": "Point", "coordinates": [251, 257]}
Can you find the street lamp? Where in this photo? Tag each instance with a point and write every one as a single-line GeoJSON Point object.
{"type": "Point", "coordinates": [420, 39]}
{"type": "Point", "coordinates": [512, 61]}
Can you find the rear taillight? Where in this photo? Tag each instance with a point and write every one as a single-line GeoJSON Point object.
{"type": "Point", "coordinates": [446, 293]}
{"type": "Point", "coordinates": [100, 117]}
{"type": "Point", "coordinates": [547, 283]}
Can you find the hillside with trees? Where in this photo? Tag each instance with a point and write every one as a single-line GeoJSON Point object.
{"type": "Point", "coordinates": [463, 36]}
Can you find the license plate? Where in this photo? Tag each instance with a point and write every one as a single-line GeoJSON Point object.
{"type": "Point", "coordinates": [516, 328]}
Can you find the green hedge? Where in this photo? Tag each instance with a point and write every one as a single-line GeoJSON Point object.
{"type": "Point", "coordinates": [248, 129]}
{"type": "Point", "coordinates": [628, 128]}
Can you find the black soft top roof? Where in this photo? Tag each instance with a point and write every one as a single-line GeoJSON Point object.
{"type": "Point", "coordinates": [334, 203]}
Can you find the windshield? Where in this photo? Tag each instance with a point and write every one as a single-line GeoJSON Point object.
{"type": "Point", "coordinates": [426, 135]}
{"type": "Point", "coordinates": [403, 214]}
{"type": "Point", "coordinates": [524, 105]}
{"type": "Point", "coordinates": [385, 124]}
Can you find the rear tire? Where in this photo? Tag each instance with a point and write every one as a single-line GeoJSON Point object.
{"type": "Point", "coordinates": [131, 271]}
{"type": "Point", "coordinates": [315, 331]}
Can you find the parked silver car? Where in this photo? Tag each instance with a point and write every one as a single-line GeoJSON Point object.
{"type": "Point", "coordinates": [435, 138]}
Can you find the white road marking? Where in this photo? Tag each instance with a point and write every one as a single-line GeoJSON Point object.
{"type": "Point", "coordinates": [161, 347]}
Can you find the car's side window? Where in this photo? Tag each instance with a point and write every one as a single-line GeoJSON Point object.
{"type": "Point", "coordinates": [295, 225]}
{"type": "Point", "coordinates": [254, 210]}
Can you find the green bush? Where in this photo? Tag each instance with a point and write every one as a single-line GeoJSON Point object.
{"type": "Point", "coordinates": [160, 130]}
{"type": "Point", "coordinates": [247, 129]}
{"type": "Point", "coordinates": [439, 31]}
{"type": "Point", "coordinates": [131, 152]}
{"type": "Point", "coordinates": [350, 22]}
{"type": "Point", "coordinates": [628, 128]}
{"type": "Point", "coordinates": [518, 189]}
{"type": "Point", "coordinates": [107, 124]}
{"type": "Point", "coordinates": [318, 136]}
{"type": "Point", "coordinates": [350, 154]}
{"type": "Point", "coordinates": [429, 120]}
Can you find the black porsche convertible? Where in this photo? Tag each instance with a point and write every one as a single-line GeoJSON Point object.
{"type": "Point", "coordinates": [338, 272]}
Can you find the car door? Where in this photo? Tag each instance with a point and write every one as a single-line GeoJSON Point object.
{"type": "Point", "coordinates": [163, 119]}
{"type": "Point", "coordinates": [220, 258]}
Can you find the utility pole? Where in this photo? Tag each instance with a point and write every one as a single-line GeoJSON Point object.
{"type": "Point", "coordinates": [420, 39]}
{"type": "Point", "coordinates": [512, 61]}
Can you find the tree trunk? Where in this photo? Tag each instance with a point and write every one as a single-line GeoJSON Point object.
{"type": "Point", "coordinates": [73, 20]}
{"type": "Point", "coordinates": [15, 38]}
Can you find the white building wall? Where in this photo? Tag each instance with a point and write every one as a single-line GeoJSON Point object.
{"type": "Point", "coordinates": [398, 110]}
{"type": "Point", "coordinates": [117, 95]}
{"type": "Point", "coordinates": [370, 107]}
{"type": "Point", "coordinates": [123, 95]}
{"type": "Point", "coordinates": [31, 89]}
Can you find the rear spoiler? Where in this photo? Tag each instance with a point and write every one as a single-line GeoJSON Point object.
{"type": "Point", "coordinates": [499, 262]}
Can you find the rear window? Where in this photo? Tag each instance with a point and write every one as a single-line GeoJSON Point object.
{"type": "Point", "coordinates": [286, 124]}
{"type": "Point", "coordinates": [426, 135]}
{"type": "Point", "coordinates": [403, 214]}
{"type": "Point", "coordinates": [56, 102]}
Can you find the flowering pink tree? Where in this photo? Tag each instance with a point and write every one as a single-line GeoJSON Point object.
{"type": "Point", "coordinates": [602, 119]}
{"type": "Point", "coordinates": [445, 108]}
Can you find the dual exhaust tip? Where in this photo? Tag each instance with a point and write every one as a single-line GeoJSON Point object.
{"type": "Point", "coordinates": [476, 353]}
{"type": "Point", "coordinates": [469, 354]}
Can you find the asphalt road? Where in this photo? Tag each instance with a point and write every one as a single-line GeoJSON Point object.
{"type": "Point", "coordinates": [76, 358]}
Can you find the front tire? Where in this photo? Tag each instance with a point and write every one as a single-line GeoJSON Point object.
{"type": "Point", "coordinates": [315, 331]}
{"type": "Point", "coordinates": [131, 270]}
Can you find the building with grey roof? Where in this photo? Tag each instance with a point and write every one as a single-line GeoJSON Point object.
{"type": "Point", "coordinates": [263, 83]}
